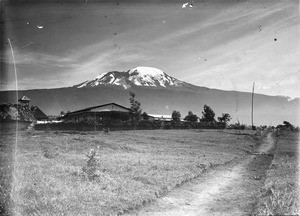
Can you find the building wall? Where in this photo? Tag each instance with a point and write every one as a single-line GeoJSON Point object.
{"type": "Point", "coordinates": [86, 116]}
{"type": "Point", "coordinates": [79, 117]}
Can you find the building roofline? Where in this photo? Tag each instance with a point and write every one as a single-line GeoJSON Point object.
{"type": "Point", "coordinates": [93, 107]}
{"type": "Point", "coordinates": [89, 108]}
{"type": "Point", "coordinates": [24, 98]}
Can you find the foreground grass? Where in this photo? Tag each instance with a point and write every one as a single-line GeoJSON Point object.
{"type": "Point", "coordinates": [280, 195]}
{"type": "Point", "coordinates": [133, 168]}
{"type": "Point", "coordinates": [6, 168]}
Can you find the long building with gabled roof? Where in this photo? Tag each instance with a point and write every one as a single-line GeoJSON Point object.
{"type": "Point", "coordinates": [105, 111]}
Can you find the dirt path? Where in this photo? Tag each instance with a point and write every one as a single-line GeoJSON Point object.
{"type": "Point", "coordinates": [225, 190]}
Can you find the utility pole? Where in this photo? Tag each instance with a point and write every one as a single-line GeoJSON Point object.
{"type": "Point", "coordinates": [252, 106]}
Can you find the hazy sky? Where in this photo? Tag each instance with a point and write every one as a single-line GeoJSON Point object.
{"type": "Point", "coordinates": [218, 43]}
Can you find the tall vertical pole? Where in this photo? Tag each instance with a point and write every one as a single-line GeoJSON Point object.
{"type": "Point", "coordinates": [252, 106]}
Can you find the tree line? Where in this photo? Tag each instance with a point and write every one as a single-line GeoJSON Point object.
{"type": "Point", "coordinates": [208, 115]}
{"type": "Point", "coordinates": [136, 119]}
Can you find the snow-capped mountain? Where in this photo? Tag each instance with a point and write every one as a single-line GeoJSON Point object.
{"type": "Point", "coordinates": [139, 76]}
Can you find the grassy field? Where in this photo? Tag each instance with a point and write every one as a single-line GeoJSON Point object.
{"type": "Point", "coordinates": [54, 176]}
{"type": "Point", "coordinates": [280, 196]}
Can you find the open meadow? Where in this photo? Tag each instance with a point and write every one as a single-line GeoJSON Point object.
{"type": "Point", "coordinates": [57, 174]}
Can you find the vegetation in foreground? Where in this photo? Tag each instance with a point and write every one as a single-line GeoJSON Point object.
{"type": "Point", "coordinates": [280, 196]}
{"type": "Point", "coordinates": [57, 173]}
{"type": "Point", "coordinates": [6, 168]}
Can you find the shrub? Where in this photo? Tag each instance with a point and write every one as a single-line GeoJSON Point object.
{"type": "Point", "coordinates": [237, 126]}
{"type": "Point", "coordinates": [279, 201]}
{"type": "Point", "coordinates": [191, 117]}
{"type": "Point", "coordinates": [287, 127]}
{"type": "Point", "coordinates": [115, 124]}
{"type": "Point", "coordinates": [150, 125]}
{"type": "Point", "coordinates": [225, 118]}
{"type": "Point", "coordinates": [91, 165]}
{"type": "Point", "coordinates": [145, 116]}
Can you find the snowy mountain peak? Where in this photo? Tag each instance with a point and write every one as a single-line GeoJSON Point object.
{"type": "Point", "coordinates": [100, 76]}
{"type": "Point", "coordinates": [139, 76]}
{"type": "Point", "coordinates": [146, 71]}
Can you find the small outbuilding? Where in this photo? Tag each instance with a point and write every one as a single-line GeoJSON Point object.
{"type": "Point", "coordinates": [158, 117]}
{"type": "Point", "coordinates": [24, 101]}
{"type": "Point", "coordinates": [105, 111]}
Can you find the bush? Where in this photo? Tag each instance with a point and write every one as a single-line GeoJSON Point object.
{"type": "Point", "coordinates": [237, 126]}
{"type": "Point", "coordinates": [150, 125]}
{"type": "Point", "coordinates": [191, 117]}
{"type": "Point", "coordinates": [91, 165]}
{"type": "Point", "coordinates": [287, 127]}
{"type": "Point", "coordinates": [114, 125]}
{"type": "Point", "coordinates": [91, 125]}
{"type": "Point", "coordinates": [11, 125]}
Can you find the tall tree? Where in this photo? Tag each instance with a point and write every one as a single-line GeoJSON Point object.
{"type": "Point", "coordinates": [176, 116]}
{"type": "Point", "coordinates": [135, 106]}
{"type": "Point", "coordinates": [225, 118]}
{"type": "Point", "coordinates": [191, 117]}
{"type": "Point", "coordinates": [208, 115]}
